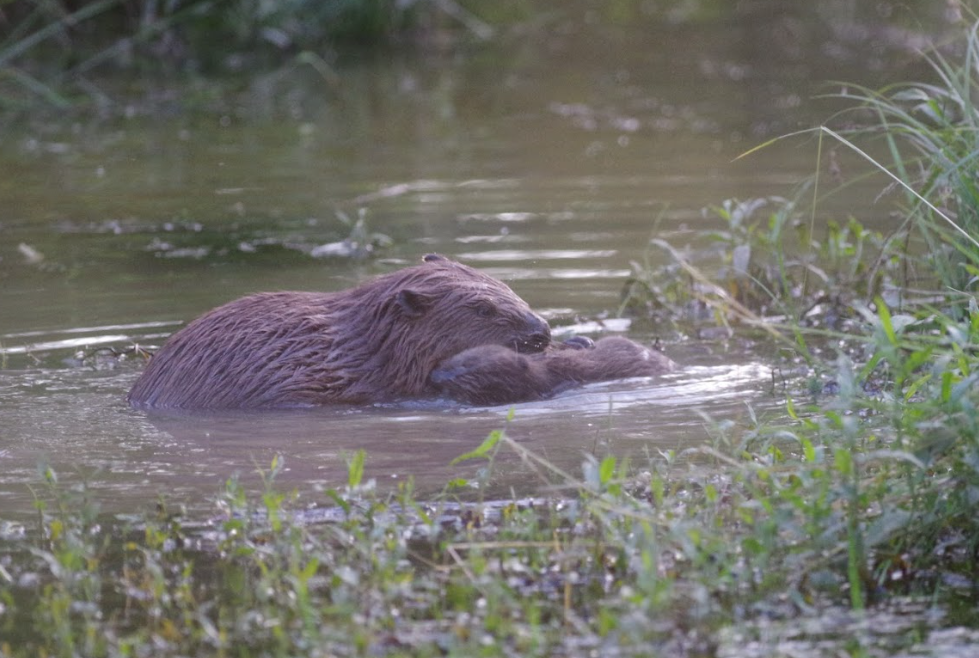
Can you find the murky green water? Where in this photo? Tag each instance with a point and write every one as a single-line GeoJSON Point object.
{"type": "Point", "coordinates": [547, 157]}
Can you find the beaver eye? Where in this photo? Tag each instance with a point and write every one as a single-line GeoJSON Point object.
{"type": "Point", "coordinates": [485, 310]}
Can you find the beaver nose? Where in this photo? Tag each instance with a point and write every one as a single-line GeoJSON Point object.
{"type": "Point", "coordinates": [538, 334]}
{"type": "Point", "coordinates": [541, 326]}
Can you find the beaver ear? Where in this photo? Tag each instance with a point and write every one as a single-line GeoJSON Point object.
{"type": "Point", "coordinates": [412, 303]}
{"type": "Point", "coordinates": [433, 258]}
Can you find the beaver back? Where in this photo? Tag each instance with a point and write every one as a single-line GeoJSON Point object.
{"type": "Point", "coordinates": [375, 342]}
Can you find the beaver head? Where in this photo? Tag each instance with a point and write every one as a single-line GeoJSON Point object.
{"type": "Point", "coordinates": [467, 307]}
{"type": "Point", "coordinates": [425, 314]}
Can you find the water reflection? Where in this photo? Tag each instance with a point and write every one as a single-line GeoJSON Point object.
{"type": "Point", "coordinates": [532, 255]}
{"type": "Point", "coordinates": [87, 432]}
{"type": "Point", "coordinates": [27, 342]}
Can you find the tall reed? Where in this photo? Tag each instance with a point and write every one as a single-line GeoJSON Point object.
{"type": "Point", "coordinates": [931, 134]}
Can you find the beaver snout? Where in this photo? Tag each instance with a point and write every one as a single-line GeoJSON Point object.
{"type": "Point", "coordinates": [537, 338]}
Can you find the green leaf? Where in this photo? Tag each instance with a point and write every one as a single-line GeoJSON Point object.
{"type": "Point", "coordinates": [962, 387]}
{"type": "Point", "coordinates": [885, 321]}
{"type": "Point", "coordinates": [606, 470]}
{"type": "Point", "coordinates": [790, 408]}
{"type": "Point", "coordinates": [946, 386]}
{"type": "Point", "coordinates": [911, 94]}
{"type": "Point", "coordinates": [808, 450]}
{"type": "Point", "coordinates": [310, 569]}
{"type": "Point", "coordinates": [355, 469]}
{"type": "Point", "coordinates": [844, 461]}
{"type": "Point", "coordinates": [338, 499]}
{"type": "Point", "coordinates": [916, 385]}
{"type": "Point", "coordinates": [484, 448]}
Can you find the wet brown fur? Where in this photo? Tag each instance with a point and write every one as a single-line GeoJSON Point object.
{"type": "Point", "coordinates": [376, 342]}
{"type": "Point", "coordinates": [489, 375]}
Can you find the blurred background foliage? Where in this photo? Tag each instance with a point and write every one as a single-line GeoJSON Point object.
{"type": "Point", "coordinates": [71, 37]}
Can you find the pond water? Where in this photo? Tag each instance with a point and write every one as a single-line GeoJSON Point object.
{"type": "Point", "coordinates": [547, 156]}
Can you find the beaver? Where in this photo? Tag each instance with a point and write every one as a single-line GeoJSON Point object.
{"type": "Point", "coordinates": [375, 342]}
{"type": "Point", "coordinates": [492, 374]}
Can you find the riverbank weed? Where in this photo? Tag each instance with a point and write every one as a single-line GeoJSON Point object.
{"type": "Point", "coordinates": [887, 438]}
{"type": "Point", "coordinates": [768, 266]}
{"type": "Point", "coordinates": [764, 523]}
{"type": "Point", "coordinates": [938, 124]}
